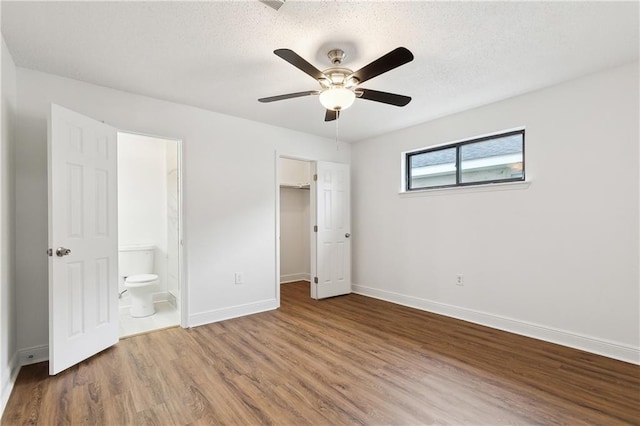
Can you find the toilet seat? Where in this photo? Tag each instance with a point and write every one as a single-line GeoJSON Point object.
{"type": "Point", "coordinates": [140, 280]}
{"type": "Point", "coordinates": [141, 288]}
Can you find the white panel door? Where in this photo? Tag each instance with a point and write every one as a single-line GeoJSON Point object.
{"type": "Point", "coordinates": [331, 252]}
{"type": "Point", "coordinates": [83, 282]}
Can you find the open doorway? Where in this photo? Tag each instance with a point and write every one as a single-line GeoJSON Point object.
{"type": "Point", "coordinates": [83, 238]}
{"type": "Point", "coordinates": [148, 233]}
{"type": "Point", "coordinates": [324, 216]}
{"type": "Point", "coordinates": [295, 222]}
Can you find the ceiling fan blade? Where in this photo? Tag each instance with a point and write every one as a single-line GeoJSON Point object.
{"type": "Point", "coordinates": [384, 97]}
{"type": "Point", "coordinates": [289, 96]}
{"type": "Point", "coordinates": [391, 60]}
{"type": "Point", "coordinates": [297, 61]}
{"type": "Point", "coordinates": [331, 115]}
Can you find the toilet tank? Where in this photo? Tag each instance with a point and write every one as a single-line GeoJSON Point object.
{"type": "Point", "coordinates": [135, 259]}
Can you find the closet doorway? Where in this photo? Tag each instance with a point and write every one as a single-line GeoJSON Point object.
{"type": "Point", "coordinates": [295, 220]}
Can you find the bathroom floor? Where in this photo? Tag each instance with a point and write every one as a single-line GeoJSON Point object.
{"type": "Point", "coordinates": [166, 315]}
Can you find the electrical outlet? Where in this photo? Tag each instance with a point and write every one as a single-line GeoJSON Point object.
{"type": "Point", "coordinates": [239, 278]}
{"type": "Point", "coordinates": [460, 279]}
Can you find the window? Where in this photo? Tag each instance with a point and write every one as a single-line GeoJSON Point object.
{"type": "Point", "coordinates": [490, 159]}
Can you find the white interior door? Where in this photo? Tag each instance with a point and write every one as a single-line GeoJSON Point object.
{"type": "Point", "coordinates": [331, 250]}
{"type": "Point", "coordinates": [83, 282]}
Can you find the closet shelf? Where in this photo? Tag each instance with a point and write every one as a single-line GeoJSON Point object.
{"type": "Point", "coordinates": [296, 186]}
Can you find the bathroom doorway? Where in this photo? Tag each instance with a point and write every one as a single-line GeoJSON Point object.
{"type": "Point", "coordinates": [149, 223]}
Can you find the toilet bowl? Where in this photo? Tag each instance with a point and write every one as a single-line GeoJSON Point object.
{"type": "Point", "coordinates": [135, 267]}
{"type": "Point", "coordinates": [140, 289]}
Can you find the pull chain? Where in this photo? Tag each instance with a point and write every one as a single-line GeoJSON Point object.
{"type": "Point", "coordinates": [337, 128]}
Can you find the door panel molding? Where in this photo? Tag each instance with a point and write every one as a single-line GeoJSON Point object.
{"type": "Point", "coordinates": [83, 283]}
{"type": "Point", "coordinates": [331, 249]}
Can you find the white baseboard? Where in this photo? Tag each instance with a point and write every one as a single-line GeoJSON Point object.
{"type": "Point", "coordinates": [290, 278]}
{"type": "Point", "coordinates": [7, 386]}
{"type": "Point", "coordinates": [163, 296]}
{"type": "Point", "coordinates": [33, 354]}
{"type": "Point", "coordinates": [232, 312]}
{"type": "Point", "coordinates": [589, 344]}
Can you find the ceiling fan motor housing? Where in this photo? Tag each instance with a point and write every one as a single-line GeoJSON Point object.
{"type": "Point", "coordinates": [338, 76]}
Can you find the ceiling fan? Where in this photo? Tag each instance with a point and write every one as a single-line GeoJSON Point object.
{"type": "Point", "coordinates": [340, 85]}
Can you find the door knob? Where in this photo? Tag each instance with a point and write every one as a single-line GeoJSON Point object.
{"type": "Point", "coordinates": [61, 251]}
{"type": "Point", "coordinates": [347, 235]}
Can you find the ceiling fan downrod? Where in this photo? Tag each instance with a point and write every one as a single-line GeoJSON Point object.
{"type": "Point", "coordinates": [336, 56]}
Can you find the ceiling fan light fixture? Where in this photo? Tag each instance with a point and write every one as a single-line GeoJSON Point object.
{"type": "Point", "coordinates": [337, 98]}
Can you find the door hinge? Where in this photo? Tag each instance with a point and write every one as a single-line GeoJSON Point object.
{"type": "Point", "coordinates": [315, 280]}
{"type": "Point", "coordinates": [315, 228]}
{"type": "Point", "coordinates": [315, 178]}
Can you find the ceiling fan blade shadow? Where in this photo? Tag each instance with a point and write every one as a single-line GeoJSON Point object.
{"type": "Point", "coordinates": [331, 115]}
{"type": "Point", "coordinates": [391, 60]}
{"type": "Point", "coordinates": [384, 97]}
{"type": "Point", "coordinates": [289, 96]}
{"type": "Point", "coordinates": [297, 61]}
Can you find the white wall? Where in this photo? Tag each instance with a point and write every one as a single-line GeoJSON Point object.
{"type": "Point", "coordinates": [142, 197]}
{"type": "Point", "coordinates": [8, 337]}
{"type": "Point", "coordinates": [229, 195]}
{"type": "Point", "coordinates": [294, 172]}
{"type": "Point", "coordinates": [557, 260]}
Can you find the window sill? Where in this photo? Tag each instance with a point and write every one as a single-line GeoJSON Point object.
{"type": "Point", "coordinates": [488, 187]}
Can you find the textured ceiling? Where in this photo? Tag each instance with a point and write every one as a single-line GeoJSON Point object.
{"type": "Point", "coordinates": [218, 55]}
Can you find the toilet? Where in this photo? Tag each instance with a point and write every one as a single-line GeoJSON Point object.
{"type": "Point", "coordinates": [136, 269]}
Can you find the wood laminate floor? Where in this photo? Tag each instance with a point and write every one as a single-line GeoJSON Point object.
{"type": "Point", "coordinates": [346, 360]}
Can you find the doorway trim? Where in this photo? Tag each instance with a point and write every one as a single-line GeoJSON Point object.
{"type": "Point", "coordinates": [278, 156]}
{"type": "Point", "coordinates": [182, 275]}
